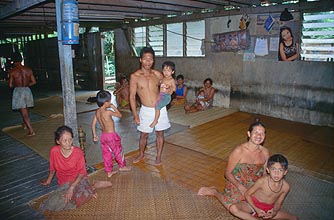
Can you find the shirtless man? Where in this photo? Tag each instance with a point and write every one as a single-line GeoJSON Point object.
{"type": "Point", "coordinates": [21, 78]}
{"type": "Point", "coordinates": [145, 83]}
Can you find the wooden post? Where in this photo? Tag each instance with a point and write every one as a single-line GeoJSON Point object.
{"type": "Point", "coordinates": [67, 81]}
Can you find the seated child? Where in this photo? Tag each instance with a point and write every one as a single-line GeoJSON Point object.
{"type": "Point", "coordinates": [110, 141]}
{"type": "Point", "coordinates": [122, 93]}
{"type": "Point", "coordinates": [167, 87]}
{"type": "Point", "coordinates": [200, 104]}
{"type": "Point", "coordinates": [265, 198]}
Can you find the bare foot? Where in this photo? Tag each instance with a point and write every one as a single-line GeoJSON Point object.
{"type": "Point", "coordinates": [101, 184]}
{"type": "Point", "coordinates": [30, 134]}
{"type": "Point", "coordinates": [154, 123]}
{"type": "Point", "coordinates": [124, 168]}
{"type": "Point", "coordinates": [207, 191]}
{"type": "Point", "coordinates": [158, 162]}
{"type": "Point", "coordinates": [138, 159]}
{"type": "Point", "coordinates": [110, 174]}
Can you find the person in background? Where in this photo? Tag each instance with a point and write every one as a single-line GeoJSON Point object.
{"type": "Point", "coordinates": [209, 93]}
{"type": "Point", "coordinates": [122, 93]}
{"type": "Point", "coordinates": [200, 103]}
{"type": "Point", "coordinates": [21, 78]}
{"type": "Point", "coordinates": [180, 92]}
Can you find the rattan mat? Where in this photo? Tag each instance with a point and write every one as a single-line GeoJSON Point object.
{"type": "Point", "coordinates": [177, 115]}
{"type": "Point", "coordinates": [141, 195]}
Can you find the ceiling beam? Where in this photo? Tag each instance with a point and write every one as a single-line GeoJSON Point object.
{"type": "Point", "coordinates": [183, 5]}
{"type": "Point", "coordinates": [17, 6]}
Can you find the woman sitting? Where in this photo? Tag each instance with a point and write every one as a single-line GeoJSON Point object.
{"type": "Point", "coordinates": [203, 102]}
{"type": "Point", "coordinates": [246, 164]}
{"type": "Point", "coordinates": [181, 91]}
{"type": "Point", "coordinates": [68, 163]}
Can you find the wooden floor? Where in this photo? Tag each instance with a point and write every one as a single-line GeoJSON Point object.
{"type": "Point", "coordinates": [192, 158]}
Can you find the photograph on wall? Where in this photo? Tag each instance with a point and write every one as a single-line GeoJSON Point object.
{"type": "Point", "coordinates": [231, 41]}
{"type": "Point", "coordinates": [289, 39]}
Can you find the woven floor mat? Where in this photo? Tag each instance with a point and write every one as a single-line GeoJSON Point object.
{"type": "Point", "coordinates": [53, 106]}
{"type": "Point", "coordinates": [218, 138]}
{"type": "Point", "coordinates": [177, 115]}
{"type": "Point", "coordinates": [141, 195]}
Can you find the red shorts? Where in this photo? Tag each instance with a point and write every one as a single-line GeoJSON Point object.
{"type": "Point", "coordinates": [263, 206]}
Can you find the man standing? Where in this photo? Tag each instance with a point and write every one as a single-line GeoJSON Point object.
{"type": "Point", "coordinates": [20, 78]}
{"type": "Point", "coordinates": [145, 83]}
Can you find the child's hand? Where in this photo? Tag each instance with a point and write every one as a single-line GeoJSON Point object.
{"type": "Point", "coordinates": [95, 138]}
{"type": "Point", "coordinates": [261, 213]}
{"type": "Point", "coordinates": [271, 213]}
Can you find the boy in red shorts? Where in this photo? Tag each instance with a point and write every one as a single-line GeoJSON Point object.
{"type": "Point", "coordinates": [265, 198]}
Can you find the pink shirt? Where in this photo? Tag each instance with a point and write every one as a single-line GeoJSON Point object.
{"type": "Point", "coordinates": [67, 169]}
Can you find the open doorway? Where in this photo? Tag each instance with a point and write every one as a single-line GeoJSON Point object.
{"type": "Point", "coordinates": [109, 60]}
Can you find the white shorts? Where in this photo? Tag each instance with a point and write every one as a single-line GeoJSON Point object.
{"type": "Point", "coordinates": [146, 116]}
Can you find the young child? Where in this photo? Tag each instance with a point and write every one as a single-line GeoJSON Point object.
{"type": "Point", "coordinates": [110, 141]}
{"type": "Point", "coordinates": [266, 196]}
{"type": "Point", "coordinates": [200, 103]}
{"type": "Point", "coordinates": [167, 87]}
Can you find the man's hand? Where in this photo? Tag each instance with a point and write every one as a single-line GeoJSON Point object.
{"type": "Point", "coordinates": [136, 119]}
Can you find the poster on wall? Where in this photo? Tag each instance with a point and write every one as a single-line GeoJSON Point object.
{"type": "Point", "coordinates": [289, 39]}
{"type": "Point", "coordinates": [267, 24]}
{"type": "Point", "coordinates": [231, 41]}
{"type": "Point", "coordinates": [261, 46]}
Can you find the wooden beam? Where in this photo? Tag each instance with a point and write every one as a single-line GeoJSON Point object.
{"type": "Point", "coordinates": [67, 81]}
{"type": "Point", "coordinates": [17, 6]}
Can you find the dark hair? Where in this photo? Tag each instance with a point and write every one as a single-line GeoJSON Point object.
{"type": "Point", "coordinates": [147, 50]}
{"type": "Point", "coordinates": [102, 97]}
{"type": "Point", "coordinates": [16, 57]}
{"type": "Point", "coordinates": [280, 33]}
{"type": "Point", "coordinates": [169, 64]}
{"type": "Point", "coordinates": [208, 79]}
{"type": "Point", "coordinates": [278, 158]}
{"type": "Point", "coordinates": [256, 123]}
{"type": "Point", "coordinates": [180, 77]}
{"type": "Point", "coordinates": [122, 78]}
{"type": "Point", "coordinates": [60, 131]}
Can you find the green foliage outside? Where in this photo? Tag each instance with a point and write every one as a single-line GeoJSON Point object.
{"type": "Point", "coordinates": [109, 54]}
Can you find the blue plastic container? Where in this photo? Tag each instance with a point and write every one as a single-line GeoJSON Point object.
{"type": "Point", "coordinates": [70, 22]}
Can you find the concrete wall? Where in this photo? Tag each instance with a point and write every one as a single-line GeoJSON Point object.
{"type": "Point", "coordinates": [297, 91]}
